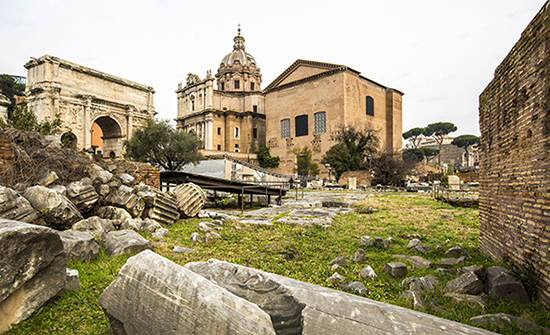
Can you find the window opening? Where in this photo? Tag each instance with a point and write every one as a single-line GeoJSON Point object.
{"type": "Point", "coordinates": [285, 128]}
{"type": "Point", "coordinates": [320, 123]}
{"type": "Point", "coordinates": [370, 106]}
{"type": "Point", "coordinates": [300, 123]}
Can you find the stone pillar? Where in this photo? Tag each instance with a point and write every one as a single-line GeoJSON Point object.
{"type": "Point", "coordinates": [130, 120]}
{"type": "Point", "coordinates": [87, 126]}
{"type": "Point", "coordinates": [55, 101]}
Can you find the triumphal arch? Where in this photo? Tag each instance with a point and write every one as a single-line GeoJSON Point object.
{"type": "Point", "coordinates": [87, 100]}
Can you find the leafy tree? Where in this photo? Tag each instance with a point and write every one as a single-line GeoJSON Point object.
{"type": "Point", "coordinates": [438, 131]}
{"type": "Point", "coordinates": [304, 162]}
{"type": "Point", "coordinates": [420, 154]}
{"type": "Point", "coordinates": [465, 142]}
{"type": "Point", "coordinates": [339, 158]}
{"type": "Point", "coordinates": [391, 169]}
{"type": "Point", "coordinates": [360, 144]}
{"type": "Point", "coordinates": [415, 135]}
{"type": "Point", "coordinates": [354, 146]}
{"type": "Point", "coordinates": [265, 159]}
{"type": "Point", "coordinates": [413, 154]}
{"type": "Point", "coordinates": [24, 119]}
{"type": "Point", "coordinates": [161, 145]}
{"type": "Point", "coordinates": [10, 89]}
{"type": "Point", "coordinates": [429, 153]}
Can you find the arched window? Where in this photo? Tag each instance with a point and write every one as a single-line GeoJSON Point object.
{"type": "Point", "coordinates": [370, 106]}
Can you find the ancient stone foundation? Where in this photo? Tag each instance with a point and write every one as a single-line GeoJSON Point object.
{"type": "Point", "coordinates": [514, 115]}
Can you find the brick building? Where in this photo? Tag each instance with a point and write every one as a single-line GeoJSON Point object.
{"type": "Point", "coordinates": [514, 113]}
{"type": "Point", "coordinates": [304, 106]}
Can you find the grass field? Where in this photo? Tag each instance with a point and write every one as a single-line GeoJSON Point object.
{"type": "Point", "coordinates": [302, 253]}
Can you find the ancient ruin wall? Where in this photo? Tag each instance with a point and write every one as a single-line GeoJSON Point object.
{"type": "Point", "coordinates": [514, 116]}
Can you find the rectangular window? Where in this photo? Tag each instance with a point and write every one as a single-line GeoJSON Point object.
{"type": "Point", "coordinates": [300, 123]}
{"type": "Point", "coordinates": [252, 86]}
{"type": "Point", "coordinates": [223, 87]}
{"type": "Point", "coordinates": [236, 133]}
{"type": "Point", "coordinates": [370, 106]}
{"type": "Point", "coordinates": [219, 147]}
{"type": "Point", "coordinates": [219, 131]}
{"type": "Point", "coordinates": [320, 123]}
{"type": "Point", "coordinates": [255, 109]}
{"type": "Point", "coordinates": [237, 84]}
{"type": "Point", "coordinates": [255, 133]}
{"type": "Point", "coordinates": [285, 128]}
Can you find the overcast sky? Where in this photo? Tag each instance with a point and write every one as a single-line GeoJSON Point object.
{"type": "Point", "coordinates": [440, 53]}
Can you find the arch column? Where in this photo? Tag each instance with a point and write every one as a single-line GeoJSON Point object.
{"type": "Point", "coordinates": [87, 127]}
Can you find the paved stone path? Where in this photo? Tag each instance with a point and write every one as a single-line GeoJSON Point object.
{"type": "Point", "coordinates": [315, 208]}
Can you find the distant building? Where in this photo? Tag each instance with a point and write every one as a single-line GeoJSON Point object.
{"type": "Point", "coordinates": [305, 106]}
{"type": "Point", "coordinates": [451, 155]}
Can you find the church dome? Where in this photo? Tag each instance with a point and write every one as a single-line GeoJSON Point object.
{"type": "Point", "coordinates": [238, 53]}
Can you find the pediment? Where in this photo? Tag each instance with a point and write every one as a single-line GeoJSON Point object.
{"type": "Point", "coordinates": [302, 69]}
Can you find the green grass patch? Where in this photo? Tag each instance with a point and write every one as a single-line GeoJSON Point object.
{"type": "Point", "coordinates": [302, 253]}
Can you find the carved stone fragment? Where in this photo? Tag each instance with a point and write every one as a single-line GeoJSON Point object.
{"type": "Point", "coordinates": [190, 199]}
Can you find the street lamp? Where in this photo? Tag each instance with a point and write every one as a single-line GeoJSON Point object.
{"type": "Point", "coordinates": [328, 168]}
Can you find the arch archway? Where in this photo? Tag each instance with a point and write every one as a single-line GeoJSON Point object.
{"type": "Point", "coordinates": [69, 140]}
{"type": "Point", "coordinates": [110, 140]}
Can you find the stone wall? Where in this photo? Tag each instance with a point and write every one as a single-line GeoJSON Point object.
{"type": "Point", "coordinates": [363, 177]}
{"type": "Point", "coordinates": [515, 155]}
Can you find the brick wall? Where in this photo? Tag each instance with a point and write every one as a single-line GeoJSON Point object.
{"type": "Point", "coordinates": [6, 159]}
{"type": "Point", "coordinates": [514, 115]}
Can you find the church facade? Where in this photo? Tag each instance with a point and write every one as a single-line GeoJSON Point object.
{"type": "Point", "coordinates": [306, 105]}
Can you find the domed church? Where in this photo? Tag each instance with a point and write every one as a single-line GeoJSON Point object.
{"type": "Point", "coordinates": [304, 106]}
{"type": "Point", "coordinates": [230, 118]}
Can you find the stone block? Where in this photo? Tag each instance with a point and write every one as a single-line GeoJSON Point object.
{"type": "Point", "coordinates": [125, 241]}
{"type": "Point", "coordinates": [417, 302]}
{"type": "Point", "coordinates": [160, 207]}
{"type": "Point", "coordinates": [502, 285]}
{"type": "Point", "coordinates": [396, 269]}
{"type": "Point", "coordinates": [419, 262]}
{"type": "Point", "coordinates": [190, 199]}
{"type": "Point", "coordinates": [368, 273]}
{"type": "Point", "coordinates": [56, 210]}
{"type": "Point", "coordinates": [95, 225]}
{"type": "Point", "coordinates": [82, 195]}
{"type": "Point", "coordinates": [358, 257]}
{"type": "Point", "coordinates": [467, 283]}
{"type": "Point", "coordinates": [79, 245]}
{"type": "Point", "coordinates": [152, 295]}
{"type": "Point", "coordinates": [72, 282]}
{"type": "Point", "coordinates": [32, 269]}
{"type": "Point", "coordinates": [15, 207]}
{"type": "Point", "coordinates": [330, 311]}
{"type": "Point", "coordinates": [124, 197]}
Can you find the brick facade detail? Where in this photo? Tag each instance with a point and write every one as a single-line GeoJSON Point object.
{"type": "Point", "coordinates": [514, 115]}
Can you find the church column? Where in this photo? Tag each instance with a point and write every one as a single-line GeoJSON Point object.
{"type": "Point", "coordinates": [209, 134]}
